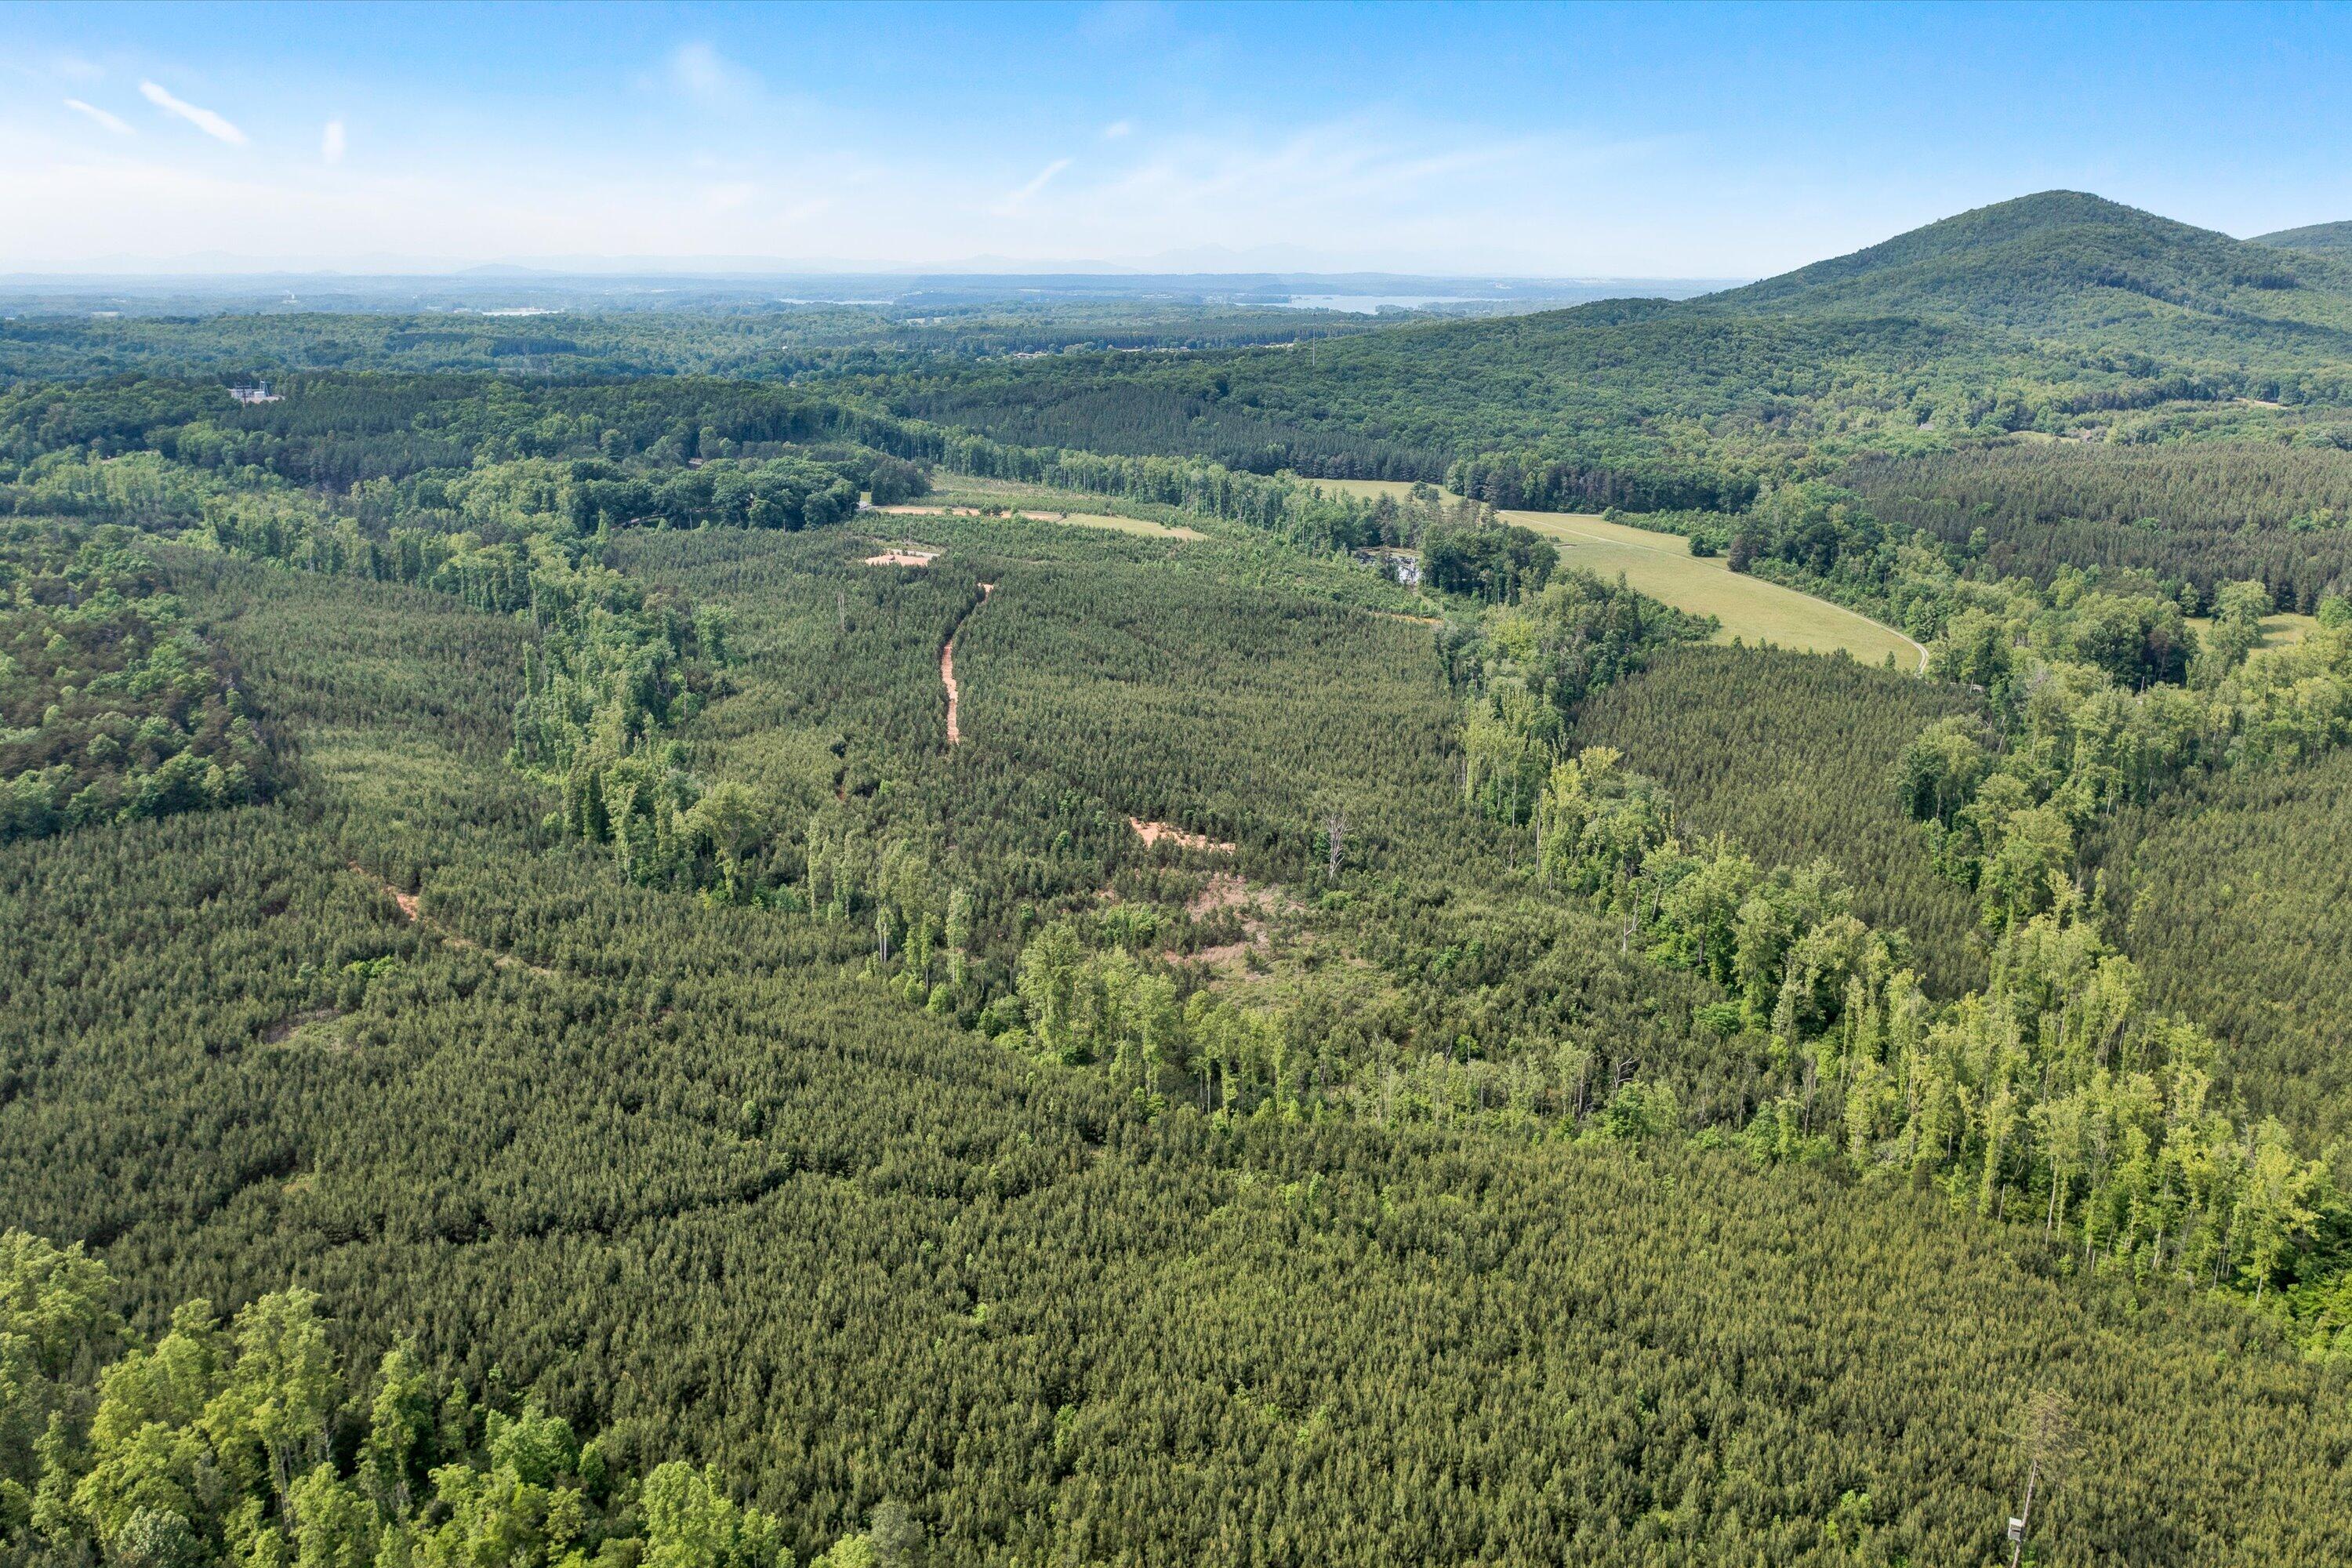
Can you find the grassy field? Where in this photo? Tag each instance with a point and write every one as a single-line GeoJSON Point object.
{"type": "Point", "coordinates": [2278, 631]}
{"type": "Point", "coordinates": [1660, 565]}
{"type": "Point", "coordinates": [1144, 527]}
{"type": "Point", "coordinates": [1754, 611]}
{"type": "Point", "coordinates": [1369, 490]}
{"type": "Point", "coordinates": [1139, 526]}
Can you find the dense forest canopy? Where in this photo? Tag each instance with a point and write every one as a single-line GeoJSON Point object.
{"type": "Point", "coordinates": [762, 340]}
{"type": "Point", "coordinates": [2203, 512]}
{"type": "Point", "coordinates": [805, 939]}
{"type": "Point", "coordinates": [110, 706]}
{"type": "Point", "coordinates": [2320, 236]}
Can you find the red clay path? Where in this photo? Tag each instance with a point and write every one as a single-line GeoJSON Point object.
{"type": "Point", "coordinates": [947, 668]}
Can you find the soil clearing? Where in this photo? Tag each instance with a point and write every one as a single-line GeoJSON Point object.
{"type": "Point", "coordinates": [947, 666]}
{"type": "Point", "coordinates": [903, 557]}
{"type": "Point", "coordinates": [1153, 833]}
{"type": "Point", "coordinates": [412, 907]}
{"type": "Point", "coordinates": [1256, 909]}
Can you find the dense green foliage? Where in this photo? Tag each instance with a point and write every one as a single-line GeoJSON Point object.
{"type": "Point", "coordinates": [110, 706]}
{"type": "Point", "coordinates": [247, 1442]}
{"type": "Point", "coordinates": [2199, 513]}
{"type": "Point", "coordinates": [770, 344]}
{"type": "Point", "coordinates": [1790, 757]}
{"type": "Point", "coordinates": [2054, 313]}
{"type": "Point", "coordinates": [1527, 665]}
{"type": "Point", "coordinates": [2055, 1085]}
{"type": "Point", "coordinates": [2231, 898]}
{"type": "Point", "coordinates": [681, 1174]}
{"type": "Point", "coordinates": [2086, 720]}
{"type": "Point", "coordinates": [2321, 237]}
{"type": "Point", "coordinates": [2073, 268]}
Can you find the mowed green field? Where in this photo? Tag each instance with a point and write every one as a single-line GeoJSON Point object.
{"type": "Point", "coordinates": [1660, 565]}
{"type": "Point", "coordinates": [2280, 630]}
{"type": "Point", "coordinates": [1139, 526]}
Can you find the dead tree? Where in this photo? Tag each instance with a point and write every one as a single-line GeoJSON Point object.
{"type": "Point", "coordinates": [2047, 1434]}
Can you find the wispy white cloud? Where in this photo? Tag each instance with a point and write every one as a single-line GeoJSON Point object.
{"type": "Point", "coordinates": [1117, 129]}
{"type": "Point", "coordinates": [1385, 188]}
{"type": "Point", "coordinates": [1015, 200]}
{"type": "Point", "coordinates": [203, 119]}
{"type": "Point", "coordinates": [703, 74]}
{"type": "Point", "coordinates": [1120, 20]}
{"type": "Point", "coordinates": [113, 122]}
{"type": "Point", "coordinates": [332, 141]}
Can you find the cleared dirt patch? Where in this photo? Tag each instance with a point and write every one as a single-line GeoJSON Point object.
{"type": "Point", "coordinates": [903, 557]}
{"type": "Point", "coordinates": [285, 1030]}
{"type": "Point", "coordinates": [1248, 914]}
{"type": "Point", "coordinates": [947, 669]}
{"type": "Point", "coordinates": [412, 907]}
{"type": "Point", "coordinates": [1153, 832]}
{"type": "Point", "coordinates": [1224, 891]}
{"type": "Point", "coordinates": [410, 904]}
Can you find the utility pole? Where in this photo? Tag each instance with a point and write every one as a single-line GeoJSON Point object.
{"type": "Point", "coordinates": [2049, 1436]}
{"type": "Point", "coordinates": [2018, 1523]}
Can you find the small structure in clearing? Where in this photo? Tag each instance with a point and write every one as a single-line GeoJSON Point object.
{"type": "Point", "coordinates": [1397, 565]}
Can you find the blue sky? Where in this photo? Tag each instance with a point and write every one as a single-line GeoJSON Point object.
{"type": "Point", "coordinates": [1587, 140]}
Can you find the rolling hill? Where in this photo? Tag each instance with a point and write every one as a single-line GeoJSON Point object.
{"type": "Point", "coordinates": [2067, 265]}
{"type": "Point", "coordinates": [2323, 237]}
{"type": "Point", "coordinates": [2057, 313]}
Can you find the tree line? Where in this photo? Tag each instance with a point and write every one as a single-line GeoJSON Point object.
{"type": "Point", "coordinates": [2098, 702]}
{"type": "Point", "coordinates": [2054, 1093]}
{"type": "Point", "coordinates": [250, 1440]}
{"type": "Point", "coordinates": [112, 706]}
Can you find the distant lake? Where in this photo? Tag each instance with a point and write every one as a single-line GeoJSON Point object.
{"type": "Point", "coordinates": [1366, 304]}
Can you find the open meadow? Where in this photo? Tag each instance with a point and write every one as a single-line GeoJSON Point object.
{"type": "Point", "coordinates": [1751, 610]}
{"type": "Point", "coordinates": [1660, 565]}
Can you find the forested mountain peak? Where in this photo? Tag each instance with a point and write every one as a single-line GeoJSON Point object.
{"type": "Point", "coordinates": [2325, 238]}
{"type": "Point", "coordinates": [2070, 263]}
{"type": "Point", "coordinates": [2023, 218]}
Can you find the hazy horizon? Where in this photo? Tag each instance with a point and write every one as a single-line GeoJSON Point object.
{"type": "Point", "coordinates": [1592, 143]}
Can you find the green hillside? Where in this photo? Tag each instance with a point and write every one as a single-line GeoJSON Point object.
{"type": "Point", "coordinates": [2069, 266]}
{"type": "Point", "coordinates": [2060, 313]}
{"type": "Point", "coordinates": [2323, 237]}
